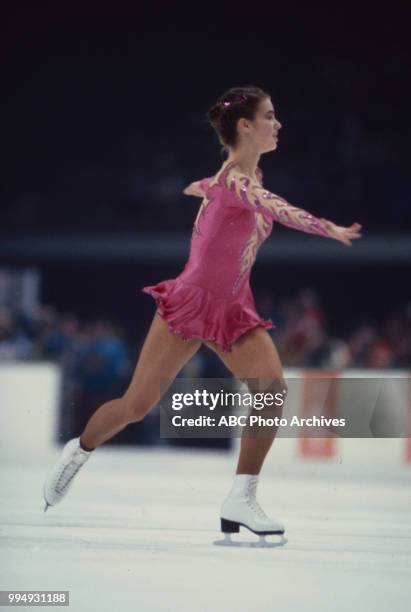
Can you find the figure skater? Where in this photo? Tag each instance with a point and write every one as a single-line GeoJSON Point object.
{"type": "Point", "coordinates": [211, 302]}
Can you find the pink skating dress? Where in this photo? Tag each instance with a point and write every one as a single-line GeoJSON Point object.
{"type": "Point", "coordinates": [211, 299]}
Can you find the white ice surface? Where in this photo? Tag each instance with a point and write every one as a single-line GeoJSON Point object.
{"type": "Point", "coordinates": [136, 532]}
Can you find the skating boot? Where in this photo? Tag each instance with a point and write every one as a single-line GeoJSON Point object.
{"type": "Point", "coordinates": [241, 508]}
{"type": "Point", "coordinates": [60, 479]}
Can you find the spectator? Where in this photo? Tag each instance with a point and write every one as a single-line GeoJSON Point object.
{"type": "Point", "coordinates": [13, 343]}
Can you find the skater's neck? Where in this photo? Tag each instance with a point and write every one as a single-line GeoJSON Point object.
{"type": "Point", "coordinates": [246, 160]}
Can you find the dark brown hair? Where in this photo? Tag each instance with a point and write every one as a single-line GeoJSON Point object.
{"type": "Point", "coordinates": [235, 103]}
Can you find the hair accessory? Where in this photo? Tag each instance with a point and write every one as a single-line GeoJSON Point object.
{"type": "Point", "coordinates": [241, 98]}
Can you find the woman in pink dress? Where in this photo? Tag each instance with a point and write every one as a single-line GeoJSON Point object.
{"type": "Point", "coordinates": [211, 301]}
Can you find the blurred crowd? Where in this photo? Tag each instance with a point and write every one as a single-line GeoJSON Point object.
{"type": "Point", "coordinates": [98, 353]}
{"type": "Point", "coordinates": [304, 338]}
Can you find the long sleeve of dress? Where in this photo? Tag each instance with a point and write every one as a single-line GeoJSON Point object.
{"type": "Point", "coordinates": [204, 183]}
{"type": "Point", "coordinates": [254, 194]}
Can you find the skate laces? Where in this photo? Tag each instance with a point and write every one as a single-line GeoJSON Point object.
{"type": "Point", "coordinates": [70, 471]}
{"type": "Point", "coordinates": [252, 501]}
{"type": "Point", "coordinates": [254, 505]}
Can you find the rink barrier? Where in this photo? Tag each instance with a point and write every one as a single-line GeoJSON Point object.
{"type": "Point", "coordinates": [29, 414]}
{"type": "Point", "coordinates": [30, 399]}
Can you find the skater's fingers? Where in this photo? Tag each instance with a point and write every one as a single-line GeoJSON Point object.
{"type": "Point", "coordinates": [345, 238]}
{"type": "Point", "coordinates": [348, 233]}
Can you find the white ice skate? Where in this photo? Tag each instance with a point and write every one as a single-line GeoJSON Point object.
{"type": "Point", "coordinates": [59, 481]}
{"type": "Point", "coordinates": [241, 508]}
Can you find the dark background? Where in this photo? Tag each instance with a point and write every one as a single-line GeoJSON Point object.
{"type": "Point", "coordinates": [103, 110]}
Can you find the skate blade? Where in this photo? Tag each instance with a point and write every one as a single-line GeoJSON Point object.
{"type": "Point", "coordinates": [260, 543]}
{"type": "Point", "coordinates": [44, 497]}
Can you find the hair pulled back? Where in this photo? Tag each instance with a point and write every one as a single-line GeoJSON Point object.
{"type": "Point", "coordinates": [231, 106]}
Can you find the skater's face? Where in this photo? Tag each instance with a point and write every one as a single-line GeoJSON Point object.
{"type": "Point", "coordinates": [262, 131]}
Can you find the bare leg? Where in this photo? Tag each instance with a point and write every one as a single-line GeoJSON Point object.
{"type": "Point", "coordinates": [254, 356]}
{"type": "Point", "coordinates": [162, 356]}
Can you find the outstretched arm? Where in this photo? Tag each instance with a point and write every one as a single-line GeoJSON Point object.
{"type": "Point", "coordinates": [198, 188]}
{"type": "Point", "coordinates": [253, 193]}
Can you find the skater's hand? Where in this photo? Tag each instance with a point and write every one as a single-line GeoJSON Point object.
{"type": "Point", "coordinates": [194, 189]}
{"type": "Point", "coordinates": [343, 234]}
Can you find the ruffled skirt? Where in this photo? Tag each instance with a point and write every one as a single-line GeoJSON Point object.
{"type": "Point", "coordinates": [194, 312]}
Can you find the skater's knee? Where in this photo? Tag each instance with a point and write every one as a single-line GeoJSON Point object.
{"type": "Point", "coordinates": [279, 387]}
{"type": "Point", "coordinates": [275, 385]}
{"type": "Point", "coordinates": [273, 396]}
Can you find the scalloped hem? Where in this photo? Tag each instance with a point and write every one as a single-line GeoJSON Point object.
{"type": "Point", "coordinates": [225, 346]}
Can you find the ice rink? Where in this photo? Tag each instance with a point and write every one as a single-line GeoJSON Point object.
{"type": "Point", "coordinates": [136, 532]}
